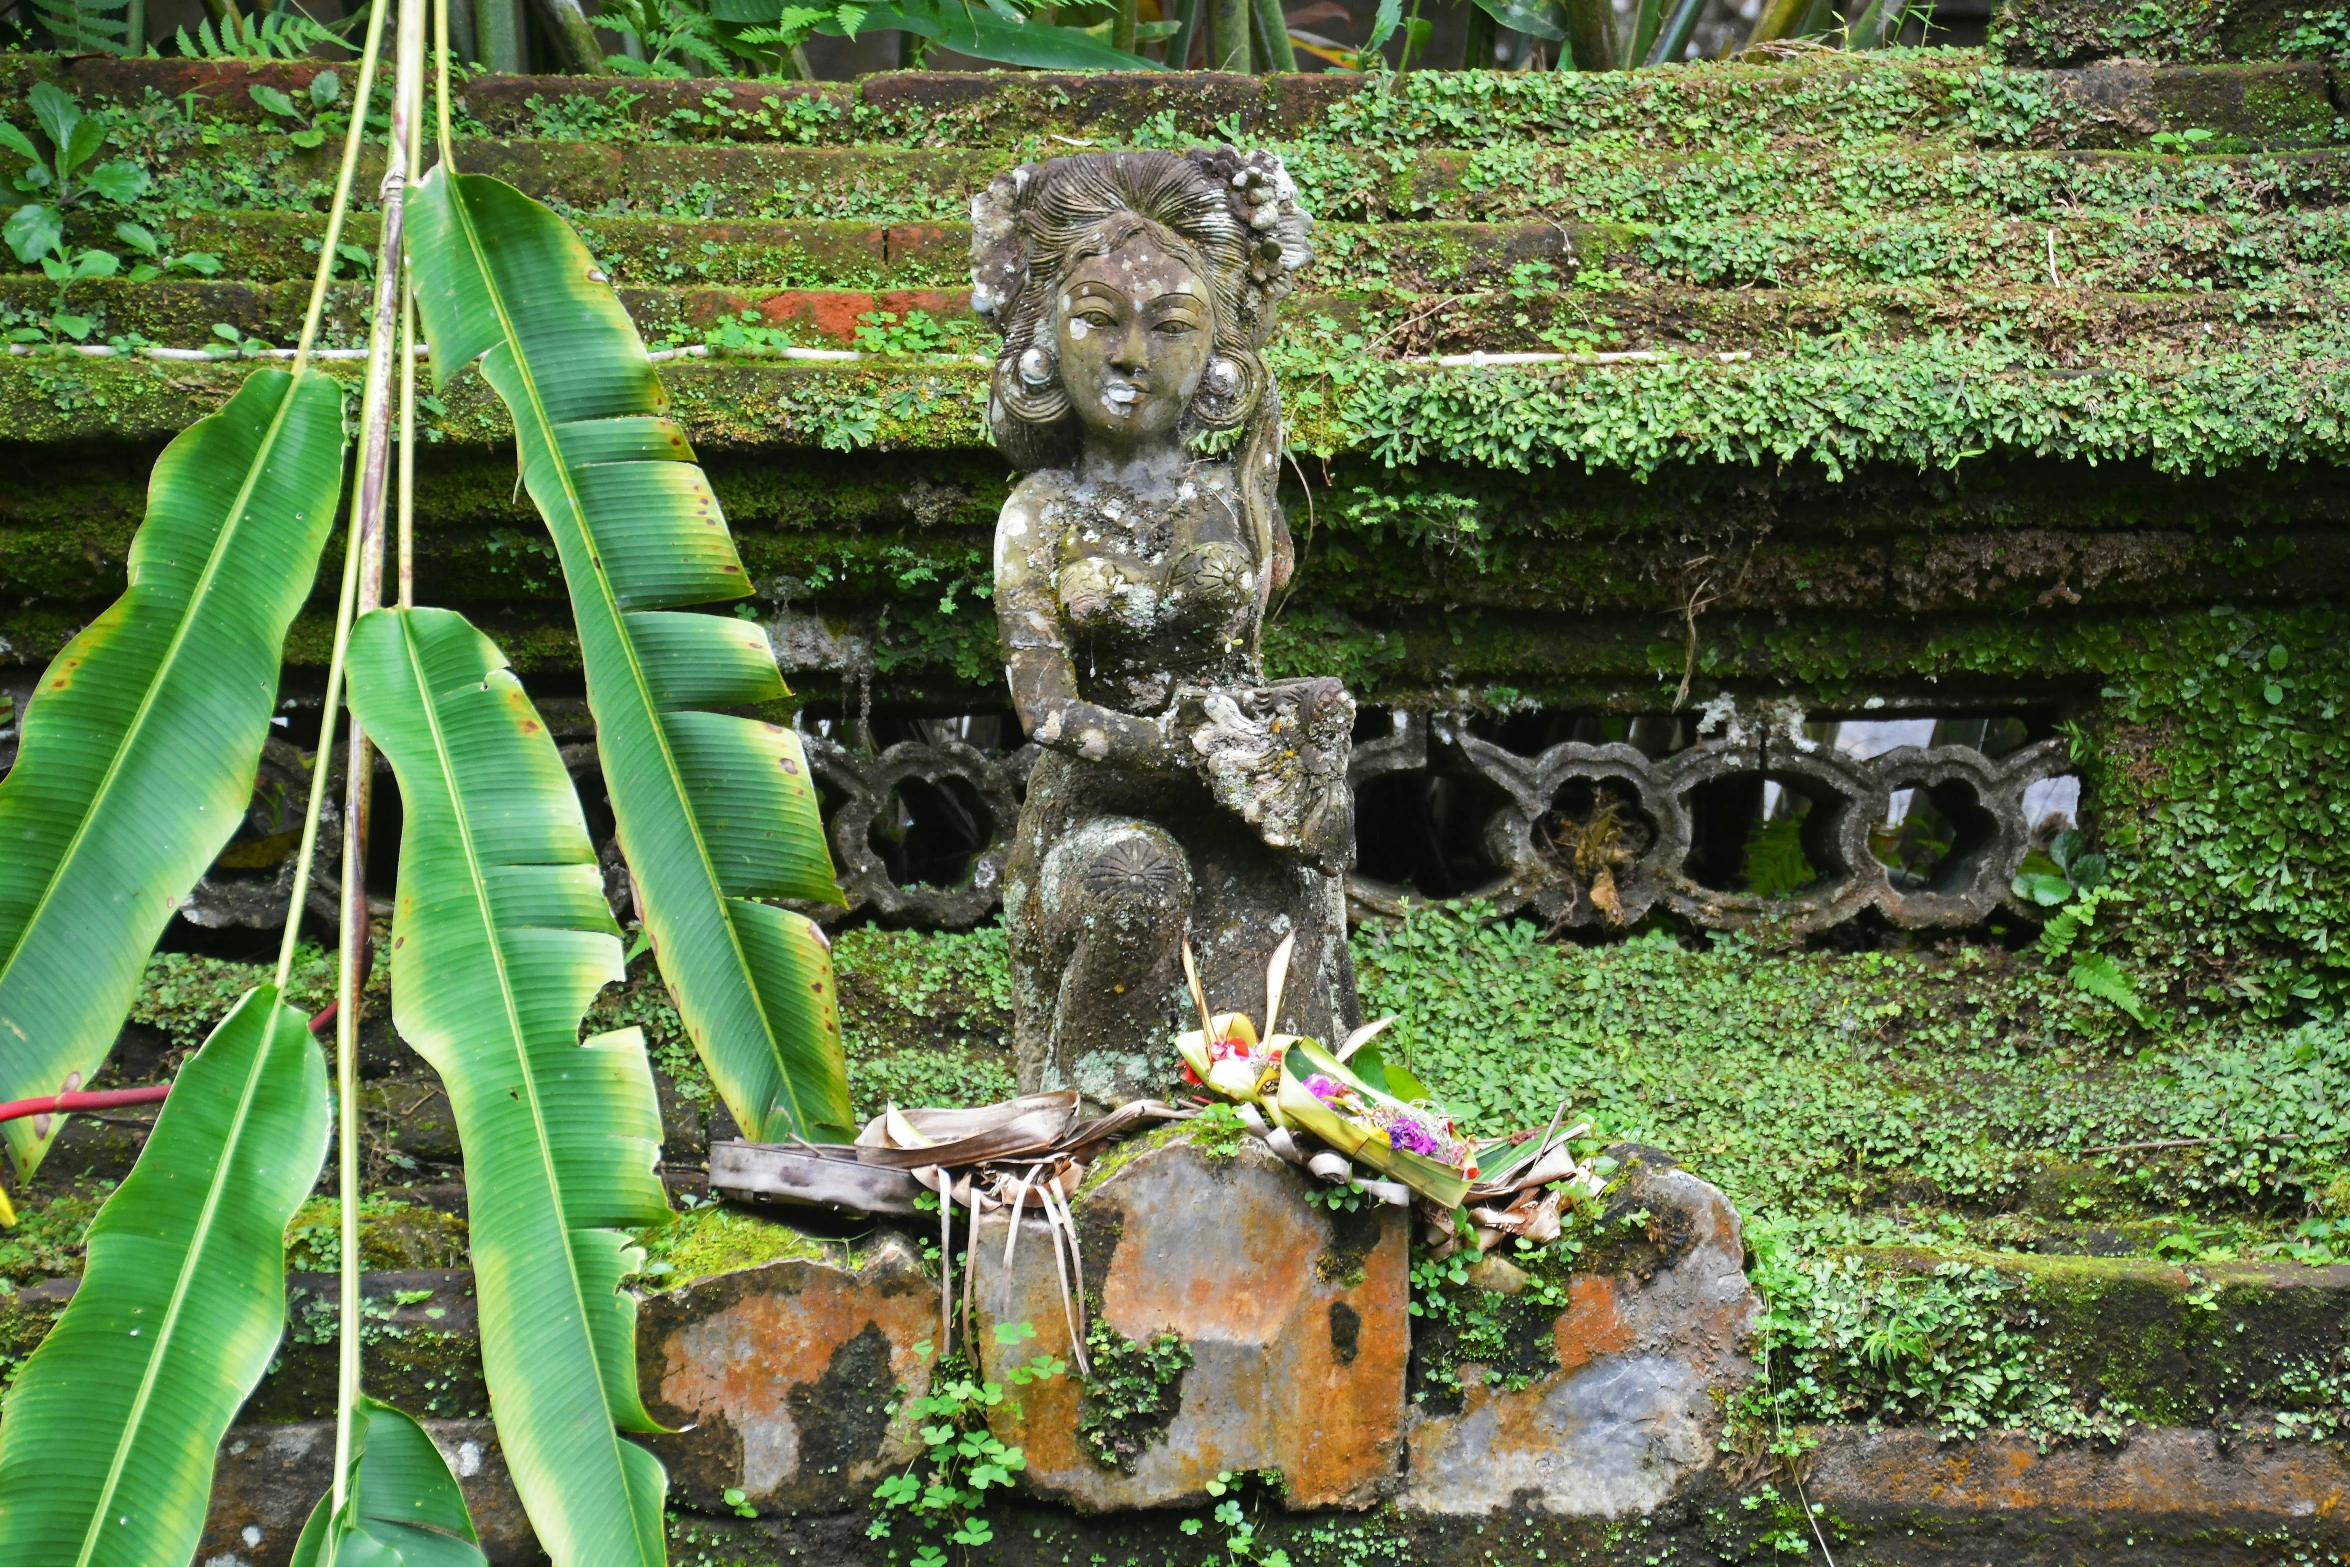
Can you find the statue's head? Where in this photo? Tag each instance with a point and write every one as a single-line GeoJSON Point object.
{"type": "Point", "coordinates": [1135, 292]}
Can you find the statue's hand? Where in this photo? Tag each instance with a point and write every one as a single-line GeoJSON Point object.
{"type": "Point", "coordinates": [1277, 755]}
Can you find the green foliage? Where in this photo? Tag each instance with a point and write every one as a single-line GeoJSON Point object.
{"type": "Point", "coordinates": [62, 177]}
{"type": "Point", "coordinates": [1959, 1348]}
{"type": "Point", "coordinates": [136, 762]}
{"type": "Point", "coordinates": [47, 1239]}
{"type": "Point", "coordinates": [2317, 35]}
{"type": "Point", "coordinates": [265, 35]}
{"type": "Point", "coordinates": [309, 123]}
{"type": "Point", "coordinates": [402, 1505]}
{"type": "Point", "coordinates": [709, 1237]}
{"type": "Point", "coordinates": [394, 1236]}
{"type": "Point", "coordinates": [501, 940]}
{"type": "Point", "coordinates": [2222, 769]}
{"type": "Point", "coordinates": [1458, 1323]}
{"type": "Point", "coordinates": [186, 995]}
{"type": "Point", "coordinates": [1823, 404]}
{"type": "Point", "coordinates": [881, 332]}
{"type": "Point", "coordinates": [1133, 1391]}
{"type": "Point", "coordinates": [717, 811]}
{"type": "Point", "coordinates": [2071, 879]}
{"type": "Point", "coordinates": [85, 26]}
{"type": "Point", "coordinates": [107, 1443]}
{"type": "Point", "coordinates": [1775, 862]}
{"type": "Point", "coordinates": [944, 1489]}
{"type": "Point", "coordinates": [1817, 1084]}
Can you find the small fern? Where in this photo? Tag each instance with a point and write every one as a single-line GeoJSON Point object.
{"type": "Point", "coordinates": [2095, 974]}
{"type": "Point", "coordinates": [272, 35]}
{"type": "Point", "coordinates": [85, 26]}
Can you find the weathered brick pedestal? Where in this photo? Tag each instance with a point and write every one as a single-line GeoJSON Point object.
{"type": "Point", "coordinates": [781, 1378]}
{"type": "Point", "coordinates": [1651, 1339]}
{"type": "Point", "coordinates": [1294, 1316]}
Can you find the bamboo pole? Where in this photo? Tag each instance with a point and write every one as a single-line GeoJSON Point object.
{"type": "Point", "coordinates": [367, 527]}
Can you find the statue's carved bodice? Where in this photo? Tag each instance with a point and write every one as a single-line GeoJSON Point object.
{"type": "Point", "coordinates": [1150, 592]}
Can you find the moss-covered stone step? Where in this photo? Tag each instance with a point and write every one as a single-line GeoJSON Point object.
{"type": "Point", "coordinates": [1596, 183]}
{"type": "Point", "coordinates": [422, 1336]}
{"type": "Point", "coordinates": [268, 1477]}
{"type": "Point", "coordinates": [1554, 656]}
{"type": "Point", "coordinates": [2280, 395]}
{"type": "Point", "coordinates": [2235, 1345]}
{"type": "Point", "coordinates": [747, 323]}
{"type": "Point", "coordinates": [1821, 94]}
{"type": "Point", "coordinates": [2167, 1498]}
{"type": "Point", "coordinates": [2076, 32]}
{"type": "Point", "coordinates": [2141, 252]}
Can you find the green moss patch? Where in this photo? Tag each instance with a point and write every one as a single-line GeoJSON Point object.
{"type": "Point", "coordinates": [716, 1238]}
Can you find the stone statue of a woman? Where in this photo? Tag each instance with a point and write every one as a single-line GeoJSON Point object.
{"type": "Point", "coordinates": [1178, 793]}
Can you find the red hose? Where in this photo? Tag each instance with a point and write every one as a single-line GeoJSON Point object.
{"type": "Point", "coordinates": [66, 1104]}
{"type": "Point", "coordinates": [112, 1098]}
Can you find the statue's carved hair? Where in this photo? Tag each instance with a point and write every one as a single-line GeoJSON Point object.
{"type": "Point", "coordinates": [1233, 216]}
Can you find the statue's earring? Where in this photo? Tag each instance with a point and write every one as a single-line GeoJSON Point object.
{"type": "Point", "coordinates": [1030, 385]}
{"type": "Point", "coordinates": [1227, 391]}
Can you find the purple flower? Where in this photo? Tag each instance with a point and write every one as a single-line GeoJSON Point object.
{"type": "Point", "coordinates": [1322, 1088]}
{"type": "Point", "coordinates": [1409, 1136]}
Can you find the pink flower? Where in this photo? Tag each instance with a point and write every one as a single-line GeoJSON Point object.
{"type": "Point", "coordinates": [1323, 1089]}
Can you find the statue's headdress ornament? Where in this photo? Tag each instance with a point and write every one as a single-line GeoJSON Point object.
{"type": "Point", "coordinates": [1234, 213]}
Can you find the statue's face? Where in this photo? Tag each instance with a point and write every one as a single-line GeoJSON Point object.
{"type": "Point", "coordinates": [1134, 336]}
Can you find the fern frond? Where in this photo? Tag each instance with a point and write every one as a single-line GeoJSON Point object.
{"type": "Point", "coordinates": [83, 26]}
{"type": "Point", "coordinates": [2059, 934]}
{"type": "Point", "coordinates": [272, 35]}
{"type": "Point", "coordinates": [2095, 974]}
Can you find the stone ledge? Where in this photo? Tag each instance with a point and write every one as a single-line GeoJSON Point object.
{"type": "Point", "coordinates": [2173, 1345]}
{"type": "Point", "coordinates": [2293, 390]}
{"type": "Point", "coordinates": [2174, 1479]}
{"type": "Point", "coordinates": [2170, 1498]}
{"type": "Point", "coordinates": [1003, 107]}
{"type": "Point", "coordinates": [268, 1478]}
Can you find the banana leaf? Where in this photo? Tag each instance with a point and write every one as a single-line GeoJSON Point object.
{"type": "Point", "coordinates": [140, 743]}
{"type": "Point", "coordinates": [1377, 1082]}
{"type": "Point", "coordinates": [107, 1439]}
{"type": "Point", "coordinates": [1541, 18]}
{"type": "Point", "coordinates": [714, 811]}
{"type": "Point", "coordinates": [971, 27]}
{"type": "Point", "coordinates": [500, 939]}
{"type": "Point", "coordinates": [978, 32]}
{"type": "Point", "coordinates": [403, 1508]}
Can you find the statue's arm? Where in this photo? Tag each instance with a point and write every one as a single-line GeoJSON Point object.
{"type": "Point", "coordinates": [1036, 656]}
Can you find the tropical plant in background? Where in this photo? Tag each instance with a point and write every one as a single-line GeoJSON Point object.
{"type": "Point", "coordinates": [2068, 878]}
{"type": "Point", "coordinates": [765, 39]}
{"type": "Point", "coordinates": [137, 760]}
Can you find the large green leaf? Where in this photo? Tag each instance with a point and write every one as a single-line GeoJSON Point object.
{"type": "Point", "coordinates": [107, 1442]}
{"type": "Point", "coordinates": [141, 740]}
{"type": "Point", "coordinates": [403, 1508]}
{"type": "Point", "coordinates": [1541, 18]}
{"type": "Point", "coordinates": [983, 31]}
{"type": "Point", "coordinates": [500, 939]}
{"type": "Point", "coordinates": [976, 31]}
{"type": "Point", "coordinates": [714, 811]}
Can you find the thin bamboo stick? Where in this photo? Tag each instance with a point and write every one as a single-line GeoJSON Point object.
{"type": "Point", "coordinates": [367, 527]}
